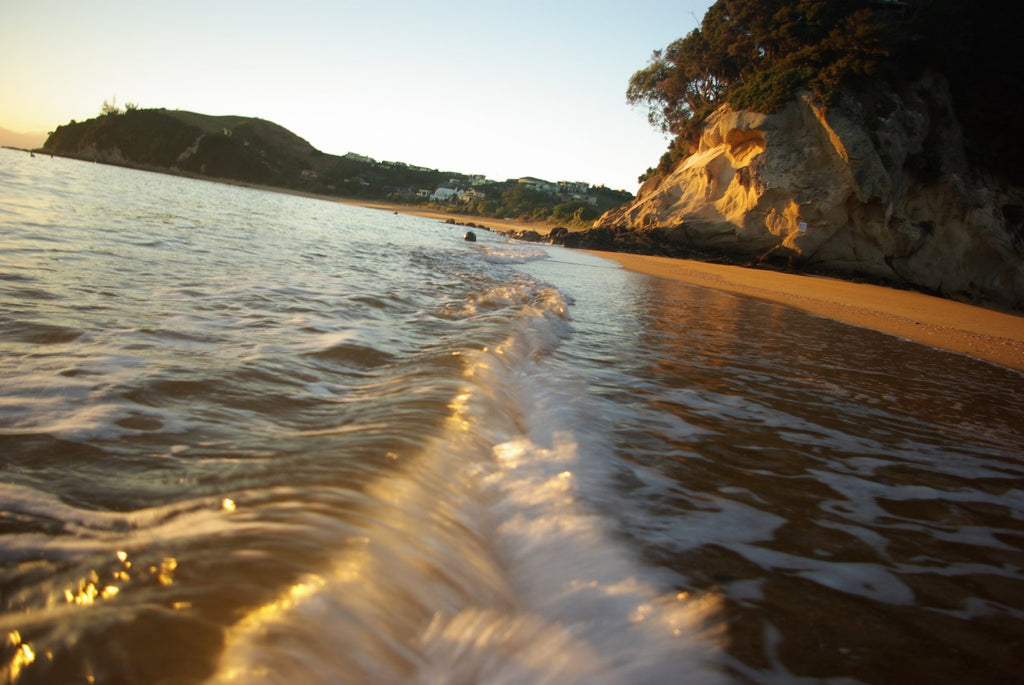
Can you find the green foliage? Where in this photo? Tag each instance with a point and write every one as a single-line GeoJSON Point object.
{"type": "Point", "coordinates": [110, 108]}
{"type": "Point", "coordinates": [680, 84]}
{"type": "Point", "coordinates": [757, 54]}
{"type": "Point", "coordinates": [770, 90]}
{"type": "Point", "coordinates": [130, 132]}
{"type": "Point", "coordinates": [519, 201]}
{"type": "Point", "coordinates": [575, 212]}
{"type": "Point", "coordinates": [515, 201]}
{"type": "Point", "coordinates": [158, 139]}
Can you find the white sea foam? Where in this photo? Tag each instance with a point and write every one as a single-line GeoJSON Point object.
{"type": "Point", "coordinates": [482, 563]}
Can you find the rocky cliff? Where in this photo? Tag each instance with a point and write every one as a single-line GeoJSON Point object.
{"type": "Point", "coordinates": [878, 186]}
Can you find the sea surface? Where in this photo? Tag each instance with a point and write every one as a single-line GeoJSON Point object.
{"type": "Point", "coordinates": [249, 437]}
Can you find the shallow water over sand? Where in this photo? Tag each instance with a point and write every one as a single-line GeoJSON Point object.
{"type": "Point", "coordinates": [249, 437]}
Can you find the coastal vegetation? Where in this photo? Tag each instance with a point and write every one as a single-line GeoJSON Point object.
{"type": "Point", "coordinates": [757, 54]}
{"type": "Point", "coordinates": [255, 151]}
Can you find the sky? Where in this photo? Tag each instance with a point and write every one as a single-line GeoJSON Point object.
{"type": "Point", "coordinates": [496, 87]}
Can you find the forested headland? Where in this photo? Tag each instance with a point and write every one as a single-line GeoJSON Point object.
{"type": "Point", "coordinates": [757, 54]}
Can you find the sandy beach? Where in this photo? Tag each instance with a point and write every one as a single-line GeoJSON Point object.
{"type": "Point", "coordinates": [978, 332]}
{"type": "Point", "coordinates": [975, 331]}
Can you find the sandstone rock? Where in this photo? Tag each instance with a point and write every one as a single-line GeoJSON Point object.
{"type": "Point", "coordinates": [877, 186]}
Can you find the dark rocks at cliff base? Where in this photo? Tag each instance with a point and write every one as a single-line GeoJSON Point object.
{"type": "Point", "coordinates": [635, 241]}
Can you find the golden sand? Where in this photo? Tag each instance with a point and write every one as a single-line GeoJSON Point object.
{"type": "Point", "coordinates": [975, 331]}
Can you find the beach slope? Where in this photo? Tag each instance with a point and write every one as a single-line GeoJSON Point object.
{"type": "Point", "coordinates": [982, 333]}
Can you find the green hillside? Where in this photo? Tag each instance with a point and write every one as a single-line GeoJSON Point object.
{"type": "Point", "coordinates": [250, 150]}
{"type": "Point", "coordinates": [228, 147]}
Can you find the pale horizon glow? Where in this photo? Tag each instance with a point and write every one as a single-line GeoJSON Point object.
{"type": "Point", "coordinates": [504, 89]}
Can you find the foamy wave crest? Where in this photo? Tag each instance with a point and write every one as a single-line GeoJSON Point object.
{"type": "Point", "coordinates": [481, 562]}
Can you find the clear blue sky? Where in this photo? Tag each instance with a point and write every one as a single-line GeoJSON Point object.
{"type": "Point", "coordinates": [498, 87]}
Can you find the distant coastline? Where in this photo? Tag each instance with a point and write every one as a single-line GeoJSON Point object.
{"type": "Point", "coordinates": [21, 141]}
{"type": "Point", "coordinates": [257, 152]}
{"type": "Point", "coordinates": [501, 226]}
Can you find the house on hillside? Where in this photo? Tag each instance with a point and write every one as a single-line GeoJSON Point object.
{"type": "Point", "coordinates": [443, 194]}
{"type": "Point", "coordinates": [400, 193]}
{"type": "Point", "coordinates": [573, 187]}
{"type": "Point", "coordinates": [471, 194]}
{"type": "Point", "coordinates": [537, 184]}
{"type": "Point", "coordinates": [359, 158]}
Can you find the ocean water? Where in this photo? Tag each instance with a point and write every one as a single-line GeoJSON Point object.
{"type": "Point", "coordinates": [248, 437]}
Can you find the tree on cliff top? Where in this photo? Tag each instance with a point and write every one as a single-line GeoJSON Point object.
{"type": "Point", "coordinates": [756, 54]}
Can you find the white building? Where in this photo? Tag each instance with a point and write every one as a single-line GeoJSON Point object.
{"type": "Point", "coordinates": [538, 184]}
{"type": "Point", "coordinates": [443, 194]}
{"type": "Point", "coordinates": [359, 158]}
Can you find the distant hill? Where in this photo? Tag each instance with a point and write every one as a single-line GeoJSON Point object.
{"type": "Point", "coordinates": [261, 152]}
{"type": "Point", "coordinates": [25, 141]}
{"type": "Point", "coordinates": [228, 147]}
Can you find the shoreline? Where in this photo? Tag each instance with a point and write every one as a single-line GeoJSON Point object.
{"type": "Point", "coordinates": [483, 222]}
{"type": "Point", "coordinates": [985, 334]}
{"type": "Point", "coordinates": [974, 331]}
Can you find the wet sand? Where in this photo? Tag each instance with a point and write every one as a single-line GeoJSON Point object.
{"type": "Point", "coordinates": [975, 331]}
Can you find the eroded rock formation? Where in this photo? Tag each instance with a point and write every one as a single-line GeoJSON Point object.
{"type": "Point", "coordinates": [878, 186]}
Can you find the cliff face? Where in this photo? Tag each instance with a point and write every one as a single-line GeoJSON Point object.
{"type": "Point", "coordinates": [878, 186]}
